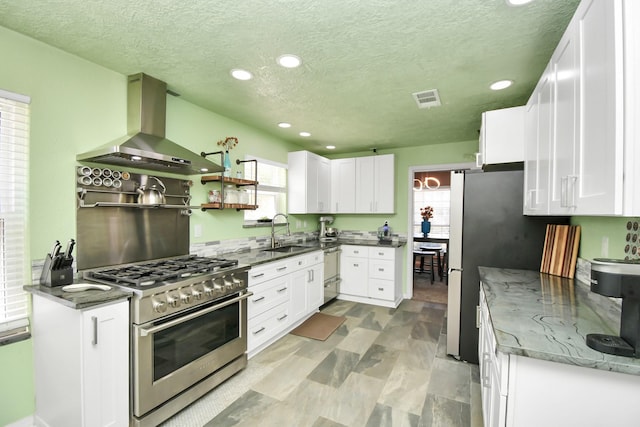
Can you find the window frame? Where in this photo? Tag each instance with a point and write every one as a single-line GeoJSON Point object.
{"type": "Point", "coordinates": [14, 151]}
{"type": "Point", "coordinates": [266, 188]}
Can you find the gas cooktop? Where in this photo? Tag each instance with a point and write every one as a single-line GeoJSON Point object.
{"type": "Point", "coordinates": [150, 273]}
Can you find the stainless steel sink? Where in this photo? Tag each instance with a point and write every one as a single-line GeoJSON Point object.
{"type": "Point", "coordinates": [285, 249]}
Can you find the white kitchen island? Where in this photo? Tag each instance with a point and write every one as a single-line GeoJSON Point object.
{"type": "Point", "coordinates": [535, 367]}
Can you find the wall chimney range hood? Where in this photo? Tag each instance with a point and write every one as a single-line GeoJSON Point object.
{"type": "Point", "coordinates": [145, 146]}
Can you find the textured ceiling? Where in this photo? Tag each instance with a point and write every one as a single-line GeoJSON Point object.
{"type": "Point", "coordinates": [362, 60]}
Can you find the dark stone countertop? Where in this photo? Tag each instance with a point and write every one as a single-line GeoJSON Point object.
{"type": "Point", "coordinates": [79, 300]}
{"type": "Point", "coordinates": [256, 257]}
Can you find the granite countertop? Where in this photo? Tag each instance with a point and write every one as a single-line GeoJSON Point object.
{"type": "Point", "coordinates": [256, 257]}
{"type": "Point", "coordinates": [548, 317]}
{"type": "Point", "coordinates": [79, 300]}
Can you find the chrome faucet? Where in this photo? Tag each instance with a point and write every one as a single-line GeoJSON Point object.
{"type": "Point", "coordinates": [273, 229]}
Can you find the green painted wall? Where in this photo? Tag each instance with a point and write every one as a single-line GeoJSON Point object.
{"type": "Point", "coordinates": [77, 106]}
{"type": "Point", "coordinates": [594, 229]}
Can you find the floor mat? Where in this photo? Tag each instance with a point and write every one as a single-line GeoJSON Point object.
{"type": "Point", "coordinates": [320, 326]}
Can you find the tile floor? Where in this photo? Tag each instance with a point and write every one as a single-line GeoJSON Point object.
{"type": "Point", "coordinates": [382, 367]}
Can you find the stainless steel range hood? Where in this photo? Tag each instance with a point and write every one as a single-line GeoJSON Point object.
{"type": "Point", "coordinates": [145, 145]}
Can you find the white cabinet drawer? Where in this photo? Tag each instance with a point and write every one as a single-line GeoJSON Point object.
{"type": "Point", "coordinates": [268, 271]}
{"type": "Point", "coordinates": [382, 253]}
{"type": "Point", "coordinates": [355, 251]}
{"type": "Point", "coordinates": [381, 289]}
{"type": "Point", "coordinates": [298, 263]}
{"type": "Point", "coordinates": [381, 269]}
{"type": "Point", "coordinates": [267, 325]}
{"type": "Point", "coordinates": [315, 257]}
{"type": "Point", "coordinates": [267, 295]}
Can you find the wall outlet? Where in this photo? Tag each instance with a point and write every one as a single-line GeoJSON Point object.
{"type": "Point", "coordinates": [604, 247]}
{"type": "Point", "coordinates": [304, 223]}
{"type": "Point", "coordinates": [298, 224]}
{"type": "Point", "coordinates": [197, 230]}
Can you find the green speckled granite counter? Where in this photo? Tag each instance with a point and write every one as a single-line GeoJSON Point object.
{"type": "Point", "coordinates": [548, 317]}
{"type": "Point", "coordinates": [79, 300]}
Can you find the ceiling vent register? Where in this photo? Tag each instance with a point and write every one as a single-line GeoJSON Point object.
{"type": "Point", "coordinates": [427, 98]}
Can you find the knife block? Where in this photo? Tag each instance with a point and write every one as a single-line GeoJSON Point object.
{"type": "Point", "coordinates": [55, 277]}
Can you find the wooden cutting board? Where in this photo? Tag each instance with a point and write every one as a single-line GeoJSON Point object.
{"type": "Point", "coordinates": [560, 251]}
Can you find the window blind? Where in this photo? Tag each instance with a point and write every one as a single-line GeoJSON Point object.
{"type": "Point", "coordinates": [14, 157]}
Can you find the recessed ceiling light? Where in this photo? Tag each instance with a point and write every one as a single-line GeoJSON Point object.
{"type": "Point", "coordinates": [305, 134]}
{"type": "Point", "coordinates": [289, 61]}
{"type": "Point", "coordinates": [501, 84]}
{"type": "Point", "coordinates": [518, 2]}
{"type": "Point", "coordinates": [241, 74]}
{"type": "Point", "coordinates": [284, 125]}
{"type": "Point", "coordinates": [331, 147]}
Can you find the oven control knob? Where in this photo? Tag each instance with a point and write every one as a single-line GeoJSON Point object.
{"type": "Point", "coordinates": [158, 306]}
{"type": "Point", "coordinates": [218, 284]}
{"type": "Point", "coordinates": [173, 301]}
{"type": "Point", "coordinates": [208, 290]}
{"type": "Point", "coordinates": [185, 297]}
{"type": "Point", "coordinates": [197, 295]}
{"type": "Point", "coordinates": [236, 282]}
{"type": "Point", "coordinates": [227, 282]}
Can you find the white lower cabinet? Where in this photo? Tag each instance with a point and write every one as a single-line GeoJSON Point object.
{"type": "Point", "coordinates": [81, 364]}
{"type": "Point", "coordinates": [519, 391]}
{"type": "Point", "coordinates": [371, 275]}
{"type": "Point", "coordinates": [285, 293]}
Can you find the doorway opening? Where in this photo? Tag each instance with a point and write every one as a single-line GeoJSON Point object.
{"type": "Point", "coordinates": [429, 200]}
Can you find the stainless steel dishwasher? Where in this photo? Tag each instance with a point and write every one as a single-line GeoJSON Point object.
{"type": "Point", "coordinates": [331, 273]}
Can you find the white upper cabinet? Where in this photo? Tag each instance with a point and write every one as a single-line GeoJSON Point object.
{"type": "Point", "coordinates": [375, 184]}
{"type": "Point", "coordinates": [309, 183]}
{"type": "Point", "coordinates": [502, 136]}
{"type": "Point", "coordinates": [591, 84]}
{"type": "Point", "coordinates": [343, 185]}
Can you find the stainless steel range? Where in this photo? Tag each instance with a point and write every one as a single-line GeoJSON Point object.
{"type": "Point", "coordinates": [188, 329]}
{"type": "Point", "coordinates": [188, 313]}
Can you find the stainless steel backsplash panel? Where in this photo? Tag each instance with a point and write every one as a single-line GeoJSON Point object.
{"type": "Point", "coordinates": [111, 235]}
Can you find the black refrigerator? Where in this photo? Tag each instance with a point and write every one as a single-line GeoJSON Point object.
{"type": "Point", "coordinates": [487, 229]}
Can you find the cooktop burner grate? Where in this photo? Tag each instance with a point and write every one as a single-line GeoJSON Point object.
{"type": "Point", "coordinates": [149, 273]}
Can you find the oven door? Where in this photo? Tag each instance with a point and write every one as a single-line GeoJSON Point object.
{"type": "Point", "coordinates": [172, 354]}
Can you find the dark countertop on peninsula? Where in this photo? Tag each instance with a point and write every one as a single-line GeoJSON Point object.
{"type": "Point", "coordinates": [548, 317]}
{"type": "Point", "coordinates": [79, 300]}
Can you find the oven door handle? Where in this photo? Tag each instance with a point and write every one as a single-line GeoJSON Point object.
{"type": "Point", "coordinates": [146, 331]}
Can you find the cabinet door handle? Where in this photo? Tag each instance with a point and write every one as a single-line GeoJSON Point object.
{"type": "Point", "coordinates": [563, 191]}
{"type": "Point", "coordinates": [284, 316]}
{"type": "Point", "coordinates": [94, 322]}
{"type": "Point", "coordinates": [281, 268]}
{"type": "Point", "coordinates": [381, 269]}
{"type": "Point", "coordinates": [381, 253]}
{"type": "Point", "coordinates": [282, 289]}
{"type": "Point", "coordinates": [356, 265]}
{"type": "Point", "coordinates": [255, 276]}
{"type": "Point", "coordinates": [258, 299]}
{"type": "Point", "coordinates": [381, 289]}
{"type": "Point", "coordinates": [258, 331]}
{"type": "Point", "coordinates": [486, 361]}
{"type": "Point", "coordinates": [573, 179]}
